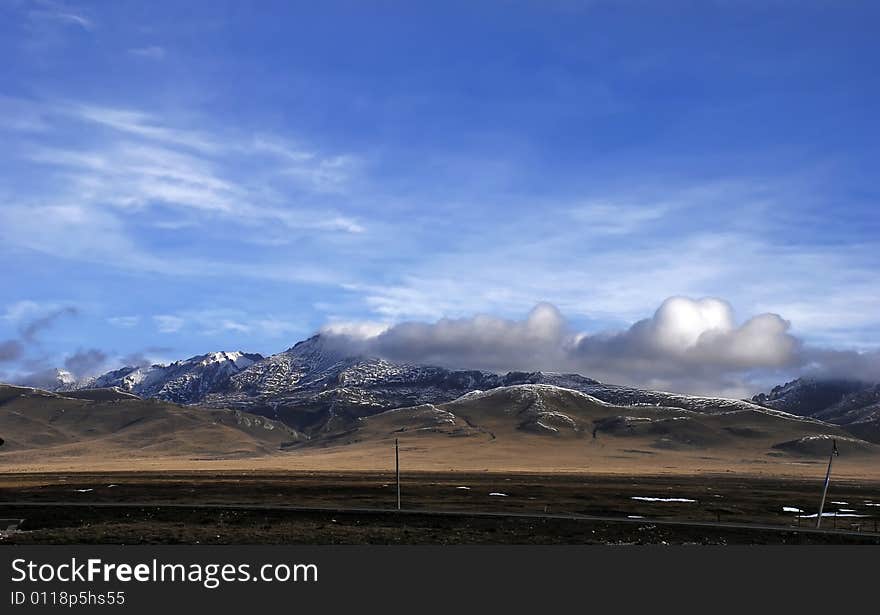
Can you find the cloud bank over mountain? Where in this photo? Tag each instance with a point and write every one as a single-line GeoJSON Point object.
{"type": "Point", "coordinates": [33, 322]}
{"type": "Point", "coordinates": [687, 345]}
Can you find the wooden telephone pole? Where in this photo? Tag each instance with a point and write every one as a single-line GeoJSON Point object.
{"type": "Point", "coordinates": [827, 480]}
{"type": "Point", "coordinates": [397, 468]}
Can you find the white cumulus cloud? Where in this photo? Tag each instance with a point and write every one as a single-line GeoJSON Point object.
{"type": "Point", "coordinates": [688, 345]}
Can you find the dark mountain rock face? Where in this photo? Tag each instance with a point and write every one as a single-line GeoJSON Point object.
{"type": "Point", "coordinates": [807, 397]}
{"type": "Point", "coordinates": [854, 407]}
{"type": "Point", "coordinates": [850, 404]}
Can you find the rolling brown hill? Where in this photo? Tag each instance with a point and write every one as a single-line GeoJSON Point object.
{"type": "Point", "coordinates": [531, 427]}
{"type": "Point", "coordinates": [108, 424]}
{"type": "Point", "coordinates": [562, 414]}
{"type": "Point", "coordinates": [540, 427]}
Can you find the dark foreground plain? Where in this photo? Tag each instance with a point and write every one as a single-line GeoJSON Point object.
{"type": "Point", "coordinates": [439, 508]}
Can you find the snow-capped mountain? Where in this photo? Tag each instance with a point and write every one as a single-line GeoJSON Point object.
{"type": "Point", "coordinates": [184, 382]}
{"type": "Point", "coordinates": [316, 386]}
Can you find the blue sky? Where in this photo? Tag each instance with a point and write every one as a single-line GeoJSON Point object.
{"type": "Point", "coordinates": [177, 178]}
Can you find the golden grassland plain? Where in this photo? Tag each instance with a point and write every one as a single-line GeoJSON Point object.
{"type": "Point", "coordinates": [435, 454]}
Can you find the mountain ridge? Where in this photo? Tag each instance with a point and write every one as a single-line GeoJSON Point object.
{"type": "Point", "coordinates": [315, 386]}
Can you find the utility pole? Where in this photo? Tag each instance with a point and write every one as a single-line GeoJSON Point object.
{"type": "Point", "coordinates": [827, 480]}
{"type": "Point", "coordinates": [397, 467]}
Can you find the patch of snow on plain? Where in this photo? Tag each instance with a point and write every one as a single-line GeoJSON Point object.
{"type": "Point", "coordinates": [646, 499]}
{"type": "Point", "coordinates": [831, 514]}
{"type": "Point", "coordinates": [791, 509]}
{"type": "Point", "coordinates": [503, 495]}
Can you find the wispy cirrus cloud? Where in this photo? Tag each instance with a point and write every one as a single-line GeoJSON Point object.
{"type": "Point", "coordinates": [61, 13]}
{"type": "Point", "coordinates": [136, 123]}
{"type": "Point", "coordinates": [138, 173]}
{"type": "Point", "coordinates": [141, 160]}
{"type": "Point", "coordinates": [151, 52]}
{"type": "Point", "coordinates": [168, 323]}
{"type": "Point", "coordinates": [218, 322]}
{"type": "Point", "coordinates": [610, 218]}
{"type": "Point", "coordinates": [124, 322]}
{"type": "Point", "coordinates": [93, 236]}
